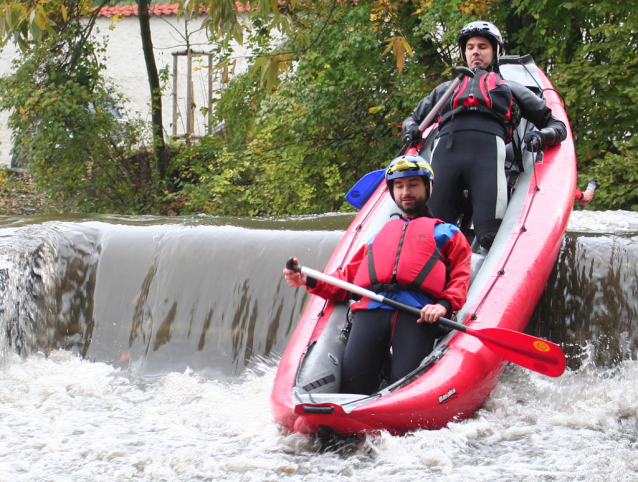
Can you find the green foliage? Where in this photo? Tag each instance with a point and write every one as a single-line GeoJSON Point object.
{"type": "Point", "coordinates": [64, 131]}
{"type": "Point", "coordinates": [227, 20]}
{"type": "Point", "coordinates": [259, 179]}
{"type": "Point", "coordinates": [322, 99]}
{"type": "Point", "coordinates": [298, 148]}
{"type": "Point", "coordinates": [617, 176]}
{"type": "Point", "coordinates": [590, 50]}
{"type": "Point", "coordinates": [33, 21]}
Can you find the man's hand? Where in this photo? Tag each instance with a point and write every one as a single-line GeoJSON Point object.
{"type": "Point", "coordinates": [533, 141]}
{"type": "Point", "coordinates": [431, 313]}
{"type": "Point", "coordinates": [293, 278]}
{"type": "Point", "coordinates": [412, 136]}
{"type": "Point", "coordinates": [587, 197]}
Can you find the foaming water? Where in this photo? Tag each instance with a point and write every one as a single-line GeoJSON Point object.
{"type": "Point", "coordinates": [65, 418]}
{"type": "Point", "coordinates": [591, 297]}
{"type": "Point", "coordinates": [103, 418]}
{"type": "Point", "coordinates": [157, 297]}
{"type": "Point", "coordinates": [604, 222]}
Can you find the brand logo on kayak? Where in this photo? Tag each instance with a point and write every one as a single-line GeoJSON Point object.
{"type": "Point", "coordinates": [450, 393]}
{"type": "Point", "coordinates": [541, 346]}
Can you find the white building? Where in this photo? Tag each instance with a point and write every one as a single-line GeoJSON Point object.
{"type": "Point", "coordinates": [127, 70]}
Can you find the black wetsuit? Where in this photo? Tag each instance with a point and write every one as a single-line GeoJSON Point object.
{"type": "Point", "coordinates": [469, 154]}
{"type": "Point", "coordinates": [372, 334]}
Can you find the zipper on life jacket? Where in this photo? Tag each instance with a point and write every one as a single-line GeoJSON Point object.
{"type": "Point", "coordinates": [396, 261]}
{"type": "Point", "coordinates": [471, 101]}
{"type": "Point", "coordinates": [471, 94]}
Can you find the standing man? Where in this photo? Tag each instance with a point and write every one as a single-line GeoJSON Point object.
{"type": "Point", "coordinates": [415, 259]}
{"type": "Point", "coordinates": [474, 127]}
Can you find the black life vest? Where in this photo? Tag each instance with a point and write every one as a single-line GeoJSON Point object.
{"type": "Point", "coordinates": [403, 256]}
{"type": "Point", "coordinates": [486, 93]}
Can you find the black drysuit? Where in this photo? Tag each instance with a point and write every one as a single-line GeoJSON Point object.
{"type": "Point", "coordinates": [469, 154]}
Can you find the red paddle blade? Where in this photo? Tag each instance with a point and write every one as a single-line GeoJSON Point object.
{"type": "Point", "coordinates": [528, 351]}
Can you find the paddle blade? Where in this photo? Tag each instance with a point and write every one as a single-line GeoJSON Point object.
{"type": "Point", "coordinates": [528, 351]}
{"type": "Point", "coordinates": [359, 194]}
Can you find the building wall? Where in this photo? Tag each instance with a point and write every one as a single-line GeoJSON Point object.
{"type": "Point", "coordinates": [127, 70]}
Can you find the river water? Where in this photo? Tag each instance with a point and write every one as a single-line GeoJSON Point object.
{"type": "Point", "coordinates": [137, 349]}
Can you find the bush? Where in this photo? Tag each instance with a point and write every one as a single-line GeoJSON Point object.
{"type": "Point", "coordinates": [617, 177]}
{"type": "Point", "coordinates": [65, 130]}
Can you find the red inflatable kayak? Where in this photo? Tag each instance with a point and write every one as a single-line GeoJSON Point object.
{"type": "Point", "coordinates": [507, 282]}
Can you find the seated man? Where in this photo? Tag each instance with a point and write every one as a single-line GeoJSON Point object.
{"type": "Point", "coordinates": [415, 259]}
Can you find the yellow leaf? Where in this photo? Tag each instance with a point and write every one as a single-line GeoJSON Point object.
{"type": "Point", "coordinates": [407, 46]}
{"type": "Point", "coordinates": [390, 46]}
{"type": "Point", "coordinates": [41, 18]}
{"type": "Point", "coordinates": [399, 53]}
{"type": "Point", "coordinates": [271, 71]}
{"type": "Point", "coordinates": [374, 110]}
{"type": "Point", "coordinates": [224, 78]}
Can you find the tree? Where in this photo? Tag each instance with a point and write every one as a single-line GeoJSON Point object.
{"type": "Point", "coordinates": [226, 20]}
{"type": "Point", "coordinates": [330, 81]}
{"type": "Point", "coordinates": [296, 148]}
{"type": "Point", "coordinates": [155, 88]}
{"type": "Point", "coordinates": [587, 49]}
{"type": "Point", "coordinates": [63, 126]}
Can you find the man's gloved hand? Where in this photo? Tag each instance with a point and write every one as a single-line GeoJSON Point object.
{"type": "Point", "coordinates": [412, 136]}
{"type": "Point", "coordinates": [534, 141]}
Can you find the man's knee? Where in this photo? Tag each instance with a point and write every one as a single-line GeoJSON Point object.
{"type": "Point", "coordinates": [486, 232]}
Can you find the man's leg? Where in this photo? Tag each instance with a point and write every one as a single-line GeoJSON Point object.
{"type": "Point", "coordinates": [447, 181]}
{"type": "Point", "coordinates": [488, 187]}
{"type": "Point", "coordinates": [411, 343]}
{"type": "Point", "coordinates": [366, 351]}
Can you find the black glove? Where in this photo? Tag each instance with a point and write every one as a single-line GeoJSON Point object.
{"type": "Point", "coordinates": [534, 141]}
{"type": "Point", "coordinates": [412, 136]}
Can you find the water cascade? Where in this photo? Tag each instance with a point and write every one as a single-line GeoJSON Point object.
{"type": "Point", "coordinates": [143, 349]}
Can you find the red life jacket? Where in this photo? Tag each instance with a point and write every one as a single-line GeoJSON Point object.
{"type": "Point", "coordinates": [403, 256]}
{"type": "Point", "coordinates": [487, 93]}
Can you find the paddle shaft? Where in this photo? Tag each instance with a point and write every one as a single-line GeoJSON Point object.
{"type": "Point", "coordinates": [463, 72]}
{"type": "Point", "coordinates": [368, 294]}
{"type": "Point", "coordinates": [517, 347]}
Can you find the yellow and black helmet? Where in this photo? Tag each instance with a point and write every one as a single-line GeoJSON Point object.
{"type": "Point", "coordinates": [407, 166]}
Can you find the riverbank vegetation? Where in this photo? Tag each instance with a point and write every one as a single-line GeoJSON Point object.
{"type": "Point", "coordinates": [318, 108]}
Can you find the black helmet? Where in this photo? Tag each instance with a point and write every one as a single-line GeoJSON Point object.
{"type": "Point", "coordinates": [481, 28]}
